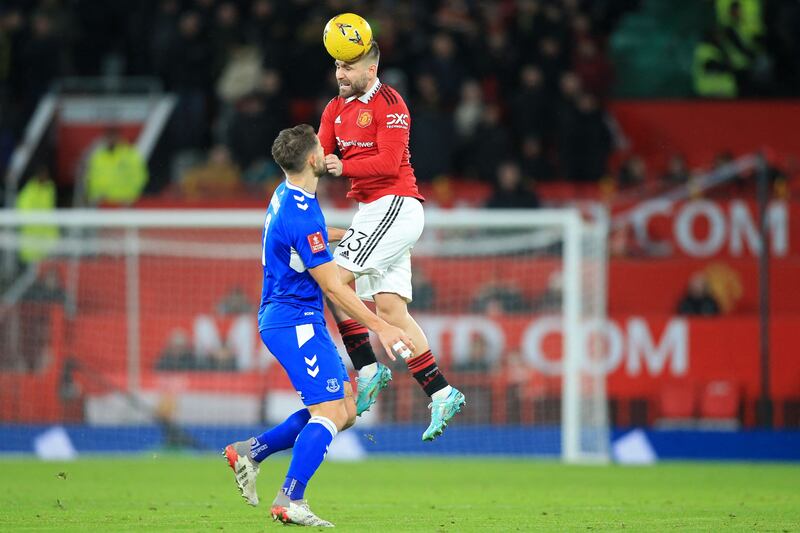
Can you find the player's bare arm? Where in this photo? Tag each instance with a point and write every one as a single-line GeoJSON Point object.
{"type": "Point", "coordinates": [327, 276]}
{"type": "Point", "coordinates": [335, 234]}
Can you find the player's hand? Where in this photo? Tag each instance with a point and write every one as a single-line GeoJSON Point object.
{"type": "Point", "coordinates": [333, 164]}
{"type": "Point", "coordinates": [395, 342]}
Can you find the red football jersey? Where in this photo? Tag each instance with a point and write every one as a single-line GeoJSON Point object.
{"type": "Point", "coordinates": [371, 132]}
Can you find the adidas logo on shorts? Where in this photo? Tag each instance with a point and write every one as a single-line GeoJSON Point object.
{"type": "Point", "coordinates": [345, 254]}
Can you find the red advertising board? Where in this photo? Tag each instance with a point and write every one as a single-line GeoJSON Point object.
{"type": "Point", "coordinates": [712, 229]}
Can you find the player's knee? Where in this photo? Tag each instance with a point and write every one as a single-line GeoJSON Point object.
{"type": "Point", "coordinates": [351, 420]}
{"type": "Point", "coordinates": [350, 405]}
{"type": "Point", "coordinates": [335, 411]}
{"type": "Point", "coordinates": [392, 311]}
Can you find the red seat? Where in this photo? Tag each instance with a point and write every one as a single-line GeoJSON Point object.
{"type": "Point", "coordinates": [720, 400]}
{"type": "Point", "coordinates": [677, 400]}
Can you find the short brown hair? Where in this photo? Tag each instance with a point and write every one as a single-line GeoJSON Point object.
{"type": "Point", "coordinates": [292, 145]}
{"type": "Point", "coordinates": [373, 54]}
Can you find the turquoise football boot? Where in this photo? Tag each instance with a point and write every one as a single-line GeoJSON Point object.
{"type": "Point", "coordinates": [442, 411]}
{"type": "Point", "coordinates": [368, 389]}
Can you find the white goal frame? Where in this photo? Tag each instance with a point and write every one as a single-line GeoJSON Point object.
{"type": "Point", "coordinates": [568, 222]}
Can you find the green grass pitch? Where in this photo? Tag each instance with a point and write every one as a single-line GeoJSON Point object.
{"type": "Point", "coordinates": [179, 493]}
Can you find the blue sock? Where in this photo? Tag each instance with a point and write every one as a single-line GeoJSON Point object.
{"type": "Point", "coordinates": [309, 452]}
{"type": "Point", "coordinates": [280, 437]}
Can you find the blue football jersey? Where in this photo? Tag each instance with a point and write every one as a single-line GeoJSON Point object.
{"type": "Point", "coordinates": [294, 239]}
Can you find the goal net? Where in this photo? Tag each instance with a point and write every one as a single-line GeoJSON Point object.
{"type": "Point", "coordinates": [136, 330]}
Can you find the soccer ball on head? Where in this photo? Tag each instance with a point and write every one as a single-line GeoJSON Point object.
{"type": "Point", "coordinates": [347, 37]}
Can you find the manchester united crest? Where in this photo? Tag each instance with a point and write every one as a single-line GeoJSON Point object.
{"type": "Point", "coordinates": [364, 118]}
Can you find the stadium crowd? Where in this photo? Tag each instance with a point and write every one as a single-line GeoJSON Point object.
{"type": "Point", "coordinates": [496, 89]}
{"type": "Point", "coordinates": [508, 93]}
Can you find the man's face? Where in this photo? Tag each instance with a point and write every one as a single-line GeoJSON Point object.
{"type": "Point", "coordinates": [317, 162]}
{"type": "Point", "coordinates": [352, 78]}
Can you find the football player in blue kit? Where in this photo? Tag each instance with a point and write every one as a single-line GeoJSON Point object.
{"type": "Point", "coordinates": [298, 270]}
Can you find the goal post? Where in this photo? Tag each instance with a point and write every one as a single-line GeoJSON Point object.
{"type": "Point", "coordinates": [508, 298]}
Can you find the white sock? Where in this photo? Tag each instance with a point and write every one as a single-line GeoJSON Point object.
{"type": "Point", "coordinates": [368, 371]}
{"type": "Point", "coordinates": [441, 394]}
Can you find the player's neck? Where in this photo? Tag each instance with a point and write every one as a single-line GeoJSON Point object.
{"type": "Point", "coordinates": [369, 88]}
{"type": "Point", "coordinates": [306, 181]}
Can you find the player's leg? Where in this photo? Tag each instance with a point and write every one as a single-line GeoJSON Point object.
{"type": "Point", "coordinates": [244, 457]}
{"type": "Point", "coordinates": [446, 401]}
{"type": "Point", "coordinates": [350, 405]}
{"type": "Point", "coordinates": [310, 359]}
{"type": "Point", "coordinates": [355, 338]}
{"type": "Point", "coordinates": [386, 279]}
{"type": "Point", "coordinates": [372, 375]}
{"type": "Point", "coordinates": [290, 506]}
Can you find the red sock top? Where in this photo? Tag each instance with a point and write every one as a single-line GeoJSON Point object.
{"type": "Point", "coordinates": [351, 327]}
{"type": "Point", "coordinates": [423, 360]}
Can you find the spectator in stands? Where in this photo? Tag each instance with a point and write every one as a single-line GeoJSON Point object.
{"type": "Point", "coordinates": [584, 140]}
{"type": "Point", "coordinates": [677, 171]}
{"type": "Point", "coordinates": [116, 173]}
{"type": "Point", "coordinates": [511, 191]}
{"type": "Point", "coordinates": [468, 112]}
{"type": "Point", "coordinates": [47, 288]}
{"type": "Point", "coordinates": [38, 194]}
{"type": "Point", "coordinates": [552, 60]}
{"type": "Point", "coordinates": [34, 320]}
{"type": "Point", "coordinates": [240, 74]}
{"type": "Point", "coordinates": [517, 50]}
{"type": "Point", "coordinates": [226, 33]}
{"type": "Point", "coordinates": [222, 359]}
{"type": "Point", "coordinates": [443, 65]}
{"type": "Point", "coordinates": [257, 116]}
{"type": "Point", "coordinates": [264, 29]}
{"type": "Point", "coordinates": [177, 355]}
{"type": "Point", "coordinates": [217, 177]}
{"type": "Point", "coordinates": [423, 290]}
{"type": "Point", "coordinates": [698, 300]}
{"type": "Point", "coordinates": [497, 61]}
{"type": "Point", "coordinates": [235, 302]}
{"type": "Point", "coordinates": [250, 124]}
{"type": "Point", "coordinates": [499, 297]}
{"type": "Point", "coordinates": [714, 75]}
{"type": "Point", "coordinates": [786, 17]}
{"type": "Point", "coordinates": [162, 30]}
{"type": "Point", "coordinates": [433, 136]}
{"type": "Point", "coordinates": [594, 69]}
{"type": "Point", "coordinates": [533, 163]}
{"type": "Point", "coordinates": [742, 39]}
{"type": "Point", "coordinates": [550, 300]}
{"type": "Point", "coordinates": [743, 16]}
{"type": "Point", "coordinates": [477, 360]}
{"type": "Point", "coordinates": [632, 173]}
{"type": "Point", "coordinates": [41, 60]}
{"type": "Point", "coordinates": [530, 108]}
{"type": "Point", "coordinates": [188, 68]}
{"type": "Point", "coordinates": [492, 146]}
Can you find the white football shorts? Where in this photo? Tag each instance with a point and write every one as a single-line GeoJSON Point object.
{"type": "Point", "coordinates": [377, 246]}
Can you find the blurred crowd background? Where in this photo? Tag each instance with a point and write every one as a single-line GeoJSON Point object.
{"type": "Point", "coordinates": [509, 93]}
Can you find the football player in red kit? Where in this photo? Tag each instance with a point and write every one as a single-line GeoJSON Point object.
{"type": "Point", "coordinates": [369, 124]}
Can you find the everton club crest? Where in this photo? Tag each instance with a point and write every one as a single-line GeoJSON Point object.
{"type": "Point", "coordinates": [333, 385]}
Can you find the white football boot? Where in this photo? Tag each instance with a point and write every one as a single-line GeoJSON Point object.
{"type": "Point", "coordinates": [244, 469]}
{"type": "Point", "coordinates": [296, 512]}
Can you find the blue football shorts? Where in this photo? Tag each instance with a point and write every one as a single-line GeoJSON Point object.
{"type": "Point", "coordinates": [311, 360]}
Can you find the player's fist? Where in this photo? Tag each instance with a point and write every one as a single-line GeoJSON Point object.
{"type": "Point", "coordinates": [333, 164]}
{"type": "Point", "coordinates": [395, 342]}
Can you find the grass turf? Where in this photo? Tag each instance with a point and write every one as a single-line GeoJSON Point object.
{"type": "Point", "coordinates": [179, 493]}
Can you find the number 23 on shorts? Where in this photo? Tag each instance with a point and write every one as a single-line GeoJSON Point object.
{"type": "Point", "coordinates": [354, 239]}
